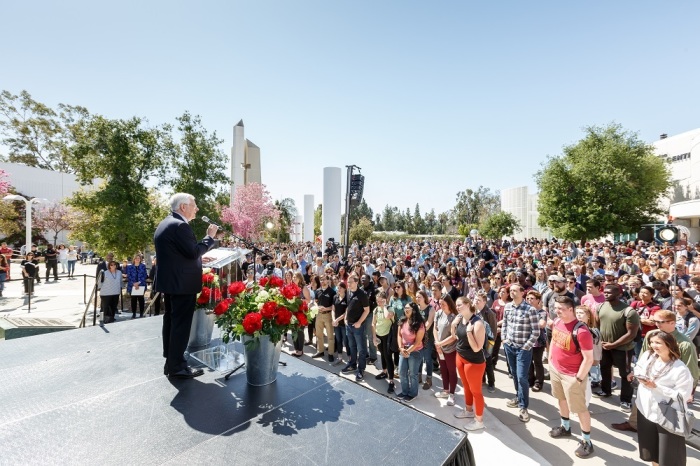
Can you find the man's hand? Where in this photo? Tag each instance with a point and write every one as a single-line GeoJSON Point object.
{"type": "Point", "coordinates": [212, 229]}
{"type": "Point", "coordinates": [357, 325]}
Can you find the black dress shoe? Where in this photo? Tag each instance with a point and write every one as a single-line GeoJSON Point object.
{"type": "Point", "coordinates": [187, 374]}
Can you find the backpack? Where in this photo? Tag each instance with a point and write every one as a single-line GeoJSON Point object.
{"type": "Point", "coordinates": [574, 334]}
{"type": "Point", "coordinates": [489, 339]}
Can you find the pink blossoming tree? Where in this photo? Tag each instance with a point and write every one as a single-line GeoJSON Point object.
{"type": "Point", "coordinates": [4, 184]}
{"type": "Point", "coordinates": [251, 207]}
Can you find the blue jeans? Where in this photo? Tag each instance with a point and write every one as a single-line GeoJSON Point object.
{"type": "Point", "coordinates": [3, 277]}
{"type": "Point", "coordinates": [71, 267]}
{"type": "Point", "coordinates": [341, 339]}
{"type": "Point", "coordinates": [426, 356]}
{"type": "Point", "coordinates": [368, 338]}
{"type": "Point", "coordinates": [356, 342]}
{"type": "Point", "coordinates": [408, 369]}
{"type": "Point", "coordinates": [519, 361]}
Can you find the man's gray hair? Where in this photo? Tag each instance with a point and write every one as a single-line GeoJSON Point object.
{"type": "Point", "coordinates": [177, 199]}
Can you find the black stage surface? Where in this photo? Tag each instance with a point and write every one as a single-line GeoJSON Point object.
{"type": "Point", "coordinates": [98, 396]}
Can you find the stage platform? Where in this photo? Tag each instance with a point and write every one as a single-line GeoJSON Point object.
{"type": "Point", "coordinates": [98, 396]}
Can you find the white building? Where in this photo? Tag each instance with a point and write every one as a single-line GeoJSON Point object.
{"type": "Point", "coordinates": [523, 206]}
{"type": "Point", "coordinates": [245, 160]}
{"type": "Point", "coordinates": [683, 154]}
{"type": "Point", "coordinates": [43, 184]}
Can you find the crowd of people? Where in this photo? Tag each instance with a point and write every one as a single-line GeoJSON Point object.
{"type": "Point", "coordinates": [456, 307]}
{"type": "Point", "coordinates": [556, 311]}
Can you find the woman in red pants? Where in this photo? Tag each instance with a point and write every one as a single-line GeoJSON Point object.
{"type": "Point", "coordinates": [469, 330]}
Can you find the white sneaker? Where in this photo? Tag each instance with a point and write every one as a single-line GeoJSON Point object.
{"type": "Point", "coordinates": [474, 425]}
{"type": "Point", "coordinates": [441, 394]}
{"type": "Point", "coordinates": [450, 400]}
{"type": "Point", "coordinates": [464, 414]}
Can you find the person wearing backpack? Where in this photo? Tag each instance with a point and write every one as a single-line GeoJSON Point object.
{"type": "Point", "coordinates": [570, 359]}
{"type": "Point", "coordinates": [470, 332]}
{"type": "Point", "coordinates": [489, 318]}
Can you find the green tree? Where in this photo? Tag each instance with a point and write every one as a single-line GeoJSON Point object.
{"type": "Point", "coordinates": [362, 210]}
{"type": "Point", "coordinates": [37, 135]}
{"type": "Point", "coordinates": [318, 220]}
{"type": "Point", "coordinates": [287, 211]}
{"type": "Point", "coordinates": [431, 222]}
{"type": "Point", "coordinates": [418, 222]}
{"type": "Point", "coordinates": [499, 225]}
{"type": "Point", "coordinates": [361, 231]}
{"type": "Point", "coordinates": [121, 214]}
{"type": "Point", "coordinates": [608, 182]}
{"type": "Point", "coordinates": [197, 166]}
{"type": "Point", "coordinates": [473, 207]}
{"type": "Point", "coordinates": [389, 218]}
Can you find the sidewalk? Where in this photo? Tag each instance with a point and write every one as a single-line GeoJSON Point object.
{"type": "Point", "coordinates": [505, 439]}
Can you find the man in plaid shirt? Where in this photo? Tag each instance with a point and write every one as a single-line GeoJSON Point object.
{"type": "Point", "coordinates": [520, 330]}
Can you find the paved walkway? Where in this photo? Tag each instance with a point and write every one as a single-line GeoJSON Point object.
{"type": "Point", "coordinates": [505, 438]}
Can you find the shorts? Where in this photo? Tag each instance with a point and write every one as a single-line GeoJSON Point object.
{"type": "Point", "coordinates": [567, 388]}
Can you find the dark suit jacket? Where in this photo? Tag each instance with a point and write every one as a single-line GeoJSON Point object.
{"type": "Point", "coordinates": [179, 256]}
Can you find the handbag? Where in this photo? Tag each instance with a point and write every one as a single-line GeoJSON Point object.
{"type": "Point", "coordinates": [679, 420]}
{"type": "Point", "coordinates": [140, 291]}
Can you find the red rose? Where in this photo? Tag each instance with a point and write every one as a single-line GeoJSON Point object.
{"type": "Point", "coordinates": [276, 281]}
{"type": "Point", "coordinates": [303, 307]}
{"type": "Point", "coordinates": [252, 323]}
{"type": "Point", "coordinates": [283, 317]}
{"type": "Point", "coordinates": [290, 291]}
{"type": "Point", "coordinates": [268, 310]}
{"type": "Point", "coordinates": [236, 288]}
{"type": "Point", "coordinates": [301, 317]}
{"type": "Point", "coordinates": [217, 295]}
{"type": "Point", "coordinates": [208, 278]}
{"type": "Point", "coordinates": [263, 281]}
{"type": "Point", "coordinates": [204, 295]}
{"type": "Point", "coordinates": [222, 307]}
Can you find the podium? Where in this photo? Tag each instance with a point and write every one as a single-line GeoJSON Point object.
{"type": "Point", "coordinates": [221, 257]}
{"type": "Point", "coordinates": [224, 261]}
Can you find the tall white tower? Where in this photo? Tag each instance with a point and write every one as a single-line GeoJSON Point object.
{"type": "Point", "coordinates": [245, 160]}
{"type": "Point", "coordinates": [238, 159]}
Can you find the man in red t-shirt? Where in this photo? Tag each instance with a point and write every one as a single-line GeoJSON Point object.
{"type": "Point", "coordinates": [568, 369]}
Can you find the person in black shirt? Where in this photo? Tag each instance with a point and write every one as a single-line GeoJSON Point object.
{"type": "Point", "coordinates": [324, 301]}
{"type": "Point", "coordinates": [371, 290]}
{"type": "Point", "coordinates": [51, 256]}
{"type": "Point", "coordinates": [355, 316]}
{"type": "Point", "coordinates": [340, 304]}
{"type": "Point", "coordinates": [37, 258]}
{"type": "Point", "coordinates": [29, 267]}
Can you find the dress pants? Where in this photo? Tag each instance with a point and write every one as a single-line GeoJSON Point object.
{"type": "Point", "coordinates": [177, 322]}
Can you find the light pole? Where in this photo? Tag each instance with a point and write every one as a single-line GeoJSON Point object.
{"type": "Point", "coordinates": [28, 212]}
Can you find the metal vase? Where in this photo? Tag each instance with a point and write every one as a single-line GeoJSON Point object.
{"type": "Point", "coordinates": [201, 330]}
{"type": "Point", "coordinates": [262, 361]}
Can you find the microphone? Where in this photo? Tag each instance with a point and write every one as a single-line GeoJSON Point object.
{"type": "Point", "coordinates": [207, 220]}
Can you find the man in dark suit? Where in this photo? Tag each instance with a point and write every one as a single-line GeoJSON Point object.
{"type": "Point", "coordinates": [179, 278]}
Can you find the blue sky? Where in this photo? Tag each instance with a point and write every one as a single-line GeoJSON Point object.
{"type": "Point", "coordinates": [429, 98]}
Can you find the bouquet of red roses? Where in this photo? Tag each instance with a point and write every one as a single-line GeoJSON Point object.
{"type": "Point", "coordinates": [210, 295]}
{"type": "Point", "coordinates": [269, 307]}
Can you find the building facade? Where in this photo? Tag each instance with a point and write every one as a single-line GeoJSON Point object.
{"type": "Point", "coordinates": [523, 206]}
{"type": "Point", "coordinates": [38, 183]}
{"type": "Point", "coordinates": [682, 152]}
